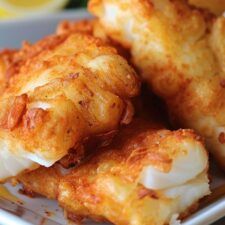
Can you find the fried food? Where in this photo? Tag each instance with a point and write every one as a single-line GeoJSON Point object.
{"type": "Point", "coordinates": [11, 60]}
{"type": "Point", "coordinates": [43, 181]}
{"type": "Point", "coordinates": [146, 176]}
{"type": "Point", "coordinates": [6, 59]}
{"type": "Point", "coordinates": [87, 26]}
{"type": "Point", "coordinates": [91, 27]}
{"type": "Point", "coordinates": [180, 52]}
{"type": "Point", "coordinates": [60, 96]}
{"type": "Point", "coordinates": [215, 6]}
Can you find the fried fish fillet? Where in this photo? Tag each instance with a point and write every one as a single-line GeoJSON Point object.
{"type": "Point", "coordinates": [180, 52]}
{"type": "Point", "coordinates": [146, 176]}
{"type": "Point", "coordinates": [215, 6]}
{"type": "Point", "coordinates": [60, 96]}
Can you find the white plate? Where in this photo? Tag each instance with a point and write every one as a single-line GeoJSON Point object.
{"type": "Point", "coordinates": [14, 32]}
{"type": "Point", "coordinates": [41, 211]}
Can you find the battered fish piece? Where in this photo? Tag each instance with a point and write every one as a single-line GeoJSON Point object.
{"type": "Point", "coordinates": [215, 6]}
{"type": "Point", "coordinates": [145, 177]}
{"type": "Point", "coordinates": [146, 167]}
{"type": "Point", "coordinates": [62, 95]}
{"type": "Point", "coordinates": [180, 52]}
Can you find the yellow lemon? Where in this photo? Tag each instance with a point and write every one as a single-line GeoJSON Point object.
{"type": "Point", "coordinates": [19, 8]}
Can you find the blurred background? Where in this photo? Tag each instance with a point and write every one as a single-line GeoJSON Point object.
{"type": "Point", "coordinates": [76, 3]}
{"type": "Point", "coordinates": [11, 9]}
{"type": "Point", "coordinates": [31, 20]}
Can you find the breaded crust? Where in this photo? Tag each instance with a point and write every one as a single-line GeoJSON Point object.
{"type": "Point", "coordinates": [92, 27]}
{"type": "Point", "coordinates": [7, 58]}
{"type": "Point", "coordinates": [43, 181]}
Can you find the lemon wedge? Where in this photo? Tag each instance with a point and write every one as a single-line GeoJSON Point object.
{"type": "Point", "coordinates": [19, 8]}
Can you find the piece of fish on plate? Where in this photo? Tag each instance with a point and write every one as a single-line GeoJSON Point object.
{"type": "Point", "coordinates": [148, 175]}
{"type": "Point", "coordinates": [180, 52]}
{"type": "Point", "coordinates": [74, 87]}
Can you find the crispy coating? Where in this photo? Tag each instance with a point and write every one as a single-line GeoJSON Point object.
{"type": "Point", "coordinates": [91, 27]}
{"type": "Point", "coordinates": [105, 186]}
{"type": "Point", "coordinates": [43, 181]}
{"type": "Point", "coordinates": [180, 52]}
{"type": "Point", "coordinates": [11, 60]}
{"type": "Point", "coordinates": [64, 93]}
{"type": "Point", "coordinates": [87, 26]}
{"type": "Point", "coordinates": [6, 59]}
{"type": "Point", "coordinates": [215, 6]}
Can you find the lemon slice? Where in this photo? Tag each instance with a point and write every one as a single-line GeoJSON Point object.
{"type": "Point", "coordinates": [20, 8]}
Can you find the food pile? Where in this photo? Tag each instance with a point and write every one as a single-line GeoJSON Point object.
{"type": "Point", "coordinates": [114, 117]}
